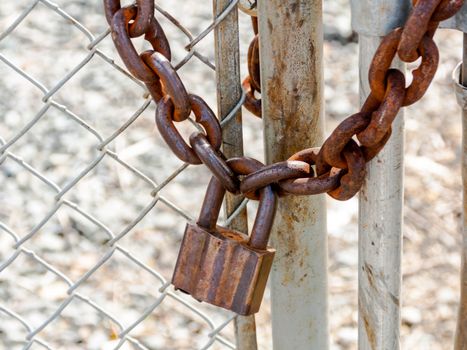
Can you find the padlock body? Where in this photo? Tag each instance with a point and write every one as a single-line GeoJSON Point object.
{"type": "Point", "coordinates": [221, 269]}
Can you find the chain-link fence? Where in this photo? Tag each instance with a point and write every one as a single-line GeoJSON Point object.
{"type": "Point", "coordinates": [93, 204]}
{"type": "Point", "coordinates": [83, 173]}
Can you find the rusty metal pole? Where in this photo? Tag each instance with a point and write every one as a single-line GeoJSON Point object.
{"type": "Point", "coordinates": [291, 46]}
{"type": "Point", "coordinates": [381, 197]}
{"type": "Point", "coordinates": [229, 92]}
{"type": "Point", "coordinates": [459, 22]}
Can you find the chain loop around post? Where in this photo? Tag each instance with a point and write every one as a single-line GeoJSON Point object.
{"type": "Point", "coordinates": [273, 174]}
{"type": "Point", "coordinates": [352, 181]}
{"type": "Point", "coordinates": [338, 168]}
{"type": "Point", "coordinates": [311, 185]}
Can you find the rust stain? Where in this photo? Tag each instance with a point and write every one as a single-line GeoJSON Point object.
{"type": "Point", "coordinates": [368, 269]}
{"type": "Point", "coordinates": [249, 325]}
{"type": "Point", "coordinates": [293, 104]}
{"type": "Point", "coordinates": [367, 322]}
{"type": "Point", "coordinates": [292, 244]}
{"type": "Point", "coordinates": [219, 268]}
{"type": "Point", "coordinates": [394, 299]}
{"type": "Point", "coordinates": [461, 334]}
{"type": "Point", "coordinates": [293, 7]}
{"type": "Point", "coordinates": [303, 277]}
{"type": "Point", "coordinates": [370, 276]}
{"type": "Point", "coordinates": [270, 26]}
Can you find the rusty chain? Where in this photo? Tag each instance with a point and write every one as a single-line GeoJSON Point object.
{"type": "Point", "coordinates": [338, 167]}
{"type": "Point", "coordinates": [252, 83]}
{"type": "Point", "coordinates": [340, 163]}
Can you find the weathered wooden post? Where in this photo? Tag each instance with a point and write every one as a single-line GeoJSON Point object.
{"type": "Point", "coordinates": [229, 93]}
{"type": "Point", "coordinates": [292, 104]}
{"type": "Point", "coordinates": [381, 198]}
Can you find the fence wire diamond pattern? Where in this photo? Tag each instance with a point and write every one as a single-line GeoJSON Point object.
{"type": "Point", "coordinates": [19, 248]}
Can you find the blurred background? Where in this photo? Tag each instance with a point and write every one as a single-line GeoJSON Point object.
{"type": "Point", "coordinates": [113, 195]}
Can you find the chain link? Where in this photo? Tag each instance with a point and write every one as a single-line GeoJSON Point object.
{"type": "Point", "coordinates": [249, 7]}
{"type": "Point", "coordinates": [143, 19]}
{"type": "Point", "coordinates": [252, 83]}
{"type": "Point", "coordinates": [338, 167]}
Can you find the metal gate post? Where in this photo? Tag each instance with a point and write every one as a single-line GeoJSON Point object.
{"type": "Point", "coordinates": [461, 332]}
{"type": "Point", "coordinates": [292, 106]}
{"type": "Point", "coordinates": [229, 93]}
{"type": "Point", "coordinates": [381, 197]}
{"type": "Point", "coordinates": [460, 79]}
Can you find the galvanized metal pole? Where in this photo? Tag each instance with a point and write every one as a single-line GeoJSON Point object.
{"type": "Point", "coordinates": [292, 104]}
{"type": "Point", "coordinates": [229, 93]}
{"type": "Point", "coordinates": [459, 22]}
{"type": "Point", "coordinates": [461, 332]}
{"type": "Point", "coordinates": [381, 197]}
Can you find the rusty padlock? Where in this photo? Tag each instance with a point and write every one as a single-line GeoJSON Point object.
{"type": "Point", "coordinates": [224, 267]}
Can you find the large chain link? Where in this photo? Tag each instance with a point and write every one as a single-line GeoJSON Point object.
{"type": "Point", "coordinates": [338, 167]}
{"type": "Point", "coordinates": [252, 83]}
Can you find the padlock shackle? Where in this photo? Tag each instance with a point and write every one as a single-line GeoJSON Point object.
{"type": "Point", "coordinates": [211, 205]}
{"type": "Point", "coordinates": [264, 219]}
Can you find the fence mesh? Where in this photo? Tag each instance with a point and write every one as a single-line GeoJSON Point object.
{"type": "Point", "coordinates": [88, 194]}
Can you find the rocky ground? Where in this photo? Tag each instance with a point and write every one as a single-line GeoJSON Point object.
{"type": "Point", "coordinates": [47, 47]}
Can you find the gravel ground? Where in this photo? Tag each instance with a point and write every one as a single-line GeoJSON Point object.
{"type": "Point", "coordinates": [48, 47]}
